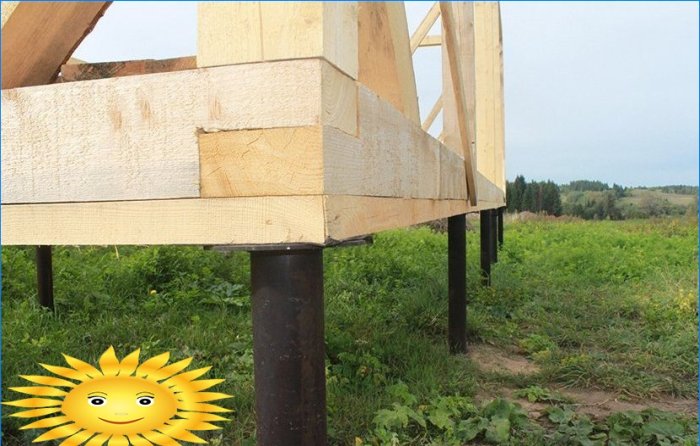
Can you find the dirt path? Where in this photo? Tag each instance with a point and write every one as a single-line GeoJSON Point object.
{"type": "Point", "coordinates": [596, 403]}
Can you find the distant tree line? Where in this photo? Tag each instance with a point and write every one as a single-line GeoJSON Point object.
{"type": "Point", "coordinates": [535, 196]}
{"type": "Point", "coordinates": [596, 200]}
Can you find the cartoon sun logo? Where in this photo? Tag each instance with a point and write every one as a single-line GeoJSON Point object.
{"type": "Point", "coordinates": [125, 403]}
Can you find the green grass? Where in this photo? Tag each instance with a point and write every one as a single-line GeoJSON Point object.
{"type": "Point", "coordinates": [605, 305]}
{"type": "Point", "coordinates": [635, 197]}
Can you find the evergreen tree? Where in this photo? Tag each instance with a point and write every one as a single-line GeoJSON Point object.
{"type": "Point", "coordinates": [519, 186]}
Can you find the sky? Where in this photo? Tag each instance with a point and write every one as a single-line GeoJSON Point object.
{"type": "Point", "coordinates": [593, 90]}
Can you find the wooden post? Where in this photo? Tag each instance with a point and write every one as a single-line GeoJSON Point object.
{"type": "Point", "coordinates": [457, 279]}
{"type": "Point", "coordinates": [44, 276]}
{"type": "Point", "coordinates": [288, 347]}
{"type": "Point", "coordinates": [485, 230]}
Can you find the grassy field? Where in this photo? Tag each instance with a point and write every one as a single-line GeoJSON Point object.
{"type": "Point", "coordinates": [577, 309]}
{"type": "Point", "coordinates": [635, 197]}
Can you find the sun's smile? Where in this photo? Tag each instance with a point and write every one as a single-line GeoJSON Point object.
{"type": "Point", "coordinates": [162, 401]}
{"type": "Point", "coordinates": [120, 422]}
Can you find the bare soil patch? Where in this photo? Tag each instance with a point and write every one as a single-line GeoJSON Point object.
{"type": "Point", "coordinates": [595, 403]}
{"type": "Point", "coordinates": [492, 359]}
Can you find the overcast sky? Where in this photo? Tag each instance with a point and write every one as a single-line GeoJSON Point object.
{"type": "Point", "coordinates": [598, 90]}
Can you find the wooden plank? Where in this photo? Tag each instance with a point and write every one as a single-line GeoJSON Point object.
{"type": "Point", "coordinates": [80, 71]}
{"type": "Point", "coordinates": [136, 138]}
{"type": "Point", "coordinates": [489, 94]}
{"type": "Point", "coordinates": [385, 63]}
{"type": "Point", "coordinates": [350, 216]}
{"type": "Point", "coordinates": [437, 108]}
{"type": "Point", "coordinates": [449, 29]}
{"type": "Point", "coordinates": [259, 220]}
{"type": "Point", "coordinates": [241, 32]}
{"type": "Point", "coordinates": [425, 26]}
{"type": "Point", "coordinates": [398, 25]}
{"type": "Point", "coordinates": [281, 161]}
{"type": "Point", "coordinates": [38, 37]}
{"type": "Point", "coordinates": [431, 41]}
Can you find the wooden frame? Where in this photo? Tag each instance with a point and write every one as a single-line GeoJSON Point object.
{"type": "Point", "coordinates": [291, 125]}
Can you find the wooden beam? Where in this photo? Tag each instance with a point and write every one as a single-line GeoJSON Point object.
{"type": "Point", "coordinates": [425, 26]}
{"type": "Point", "coordinates": [240, 32]}
{"type": "Point", "coordinates": [385, 62]}
{"type": "Point", "coordinates": [279, 161]}
{"type": "Point", "coordinates": [437, 107]}
{"type": "Point", "coordinates": [38, 37]}
{"type": "Point", "coordinates": [256, 220]}
{"type": "Point", "coordinates": [489, 95]}
{"type": "Point", "coordinates": [350, 216]}
{"type": "Point", "coordinates": [392, 157]}
{"type": "Point", "coordinates": [449, 30]}
{"type": "Point", "coordinates": [185, 135]}
{"type": "Point", "coordinates": [431, 41]}
{"type": "Point", "coordinates": [136, 137]}
{"type": "Point", "coordinates": [81, 71]}
{"type": "Point", "coordinates": [228, 221]}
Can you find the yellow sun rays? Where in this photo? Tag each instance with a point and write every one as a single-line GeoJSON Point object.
{"type": "Point", "coordinates": [194, 409]}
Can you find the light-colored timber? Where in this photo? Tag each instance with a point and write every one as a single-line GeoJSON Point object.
{"type": "Point", "coordinates": [80, 71]}
{"type": "Point", "coordinates": [38, 37]}
{"type": "Point", "coordinates": [434, 112]}
{"type": "Point", "coordinates": [431, 41]}
{"type": "Point", "coordinates": [451, 26]}
{"type": "Point", "coordinates": [136, 137]}
{"type": "Point", "coordinates": [385, 63]}
{"type": "Point", "coordinates": [256, 220]}
{"type": "Point", "coordinates": [242, 32]}
{"type": "Point", "coordinates": [294, 123]}
{"type": "Point", "coordinates": [424, 27]}
{"type": "Point", "coordinates": [488, 95]}
{"type": "Point", "coordinates": [350, 216]}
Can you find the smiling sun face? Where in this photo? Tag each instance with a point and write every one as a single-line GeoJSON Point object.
{"type": "Point", "coordinates": [122, 403]}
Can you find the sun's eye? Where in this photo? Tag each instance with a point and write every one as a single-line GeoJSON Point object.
{"type": "Point", "coordinates": [97, 400]}
{"type": "Point", "coordinates": [144, 400]}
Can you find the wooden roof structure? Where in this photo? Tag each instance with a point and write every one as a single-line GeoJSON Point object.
{"type": "Point", "coordinates": [295, 123]}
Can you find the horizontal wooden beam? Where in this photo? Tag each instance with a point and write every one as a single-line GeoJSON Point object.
{"type": "Point", "coordinates": [38, 37]}
{"type": "Point", "coordinates": [81, 71]}
{"type": "Point", "coordinates": [256, 220]}
{"type": "Point", "coordinates": [185, 135]}
{"type": "Point", "coordinates": [350, 216]}
{"type": "Point", "coordinates": [431, 41]}
{"type": "Point", "coordinates": [136, 138]}
{"type": "Point", "coordinates": [318, 220]}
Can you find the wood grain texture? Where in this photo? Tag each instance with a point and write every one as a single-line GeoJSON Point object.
{"type": "Point", "coordinates": [393, 157]}
{"type": "Point", "coordinates": [464, 17]}
{"type": "Point", "coordinates": [350, 216]}
{"type": "Point", "coordinates": [259, 220]}
{"type": "Point", "coordinates": [450, 30]}
{"type": "Point", "coordinates": [136, 138]}
{"type": "Point", "coordinates": [490, 139]}
{"type": "Point", "coordinates": [78, 71]}
{"type": "Point", "coordinates": [434, 112]}
{"type": "Point", "coordinates": [435, 40]}
{"type": "Point", "coordinates": [424, 27]}
{"type": "Point", "coordinates": [241, 32]}
{"type": "Point", "coordinates": [38, 37]}
{"type": "Point", "coordinates": [281, 161]}
{"type": "Point", "coordinates": [385, 63]}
